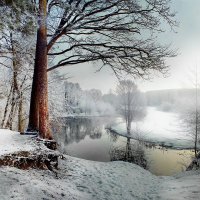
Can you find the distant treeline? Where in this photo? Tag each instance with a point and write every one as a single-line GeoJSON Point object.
{"type": "Point", "coordinates": [93, 102]}
{"type": "Point", "coordinates": [170, 97]}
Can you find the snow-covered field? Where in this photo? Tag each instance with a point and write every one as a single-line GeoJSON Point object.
{"type": "Point", "coordinates": [88, 180]}
{"type": "Point", "coordinates": [159, 127]}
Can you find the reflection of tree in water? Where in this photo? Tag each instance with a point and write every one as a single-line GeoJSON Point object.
{"type": "Point", "coordinates": [113, 136]}
{"type": "Point", "coordinates": [131, 152]}
{"type": "Point", "coordinates": [76, 129]}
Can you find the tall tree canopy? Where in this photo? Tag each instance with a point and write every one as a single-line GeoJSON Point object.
{"type": "Point", "coordinates": [120, 33]}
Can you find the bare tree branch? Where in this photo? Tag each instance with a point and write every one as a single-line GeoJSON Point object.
{"type": "Point", "coordinates": [118, 33]}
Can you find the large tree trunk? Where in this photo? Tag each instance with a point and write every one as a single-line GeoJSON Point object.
{"type": "Point", "coordinates": [33, 125]}
{"type": "Point", "coordinates": [39, 96]}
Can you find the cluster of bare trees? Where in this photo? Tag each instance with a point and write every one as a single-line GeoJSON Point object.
{"type": "Point", "coordinates": [120, 34]}
{"type": "Point", "coordinates": [16, 58]}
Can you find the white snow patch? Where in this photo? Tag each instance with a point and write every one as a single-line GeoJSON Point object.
{"type": "Point", "coordinates": [11, 142]}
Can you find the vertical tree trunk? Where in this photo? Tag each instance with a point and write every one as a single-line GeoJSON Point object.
{"type": "Point", "coordinates": [33, 125]}
{"type": "Point", "coordinates": [196, 115]}
{"type": "Point", "coordinates": [128, 149]}
{"type": "Point", "coordinates": [6, 107]}
{"type": "Point", "coordinates": [129, 127]}
{"type": "Point", "coordinates": [20, 115]}
{"type": "Point", "coordinates": [9, 122]}
{"type": "Point", "coordinates": [15, 89]}
{"type": "Point", "coordinates": [39, 96]}
{"type": "Point", "coordinates": [129, 113]}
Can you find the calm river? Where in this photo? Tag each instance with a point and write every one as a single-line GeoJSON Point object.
{"type": "Point", "coordinates": [89, 139]}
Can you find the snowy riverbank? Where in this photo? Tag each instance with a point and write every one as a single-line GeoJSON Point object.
{"type": "Point", "coordinates": [89, 180]}
{"type": "Point", "coordinates": [158, 127]}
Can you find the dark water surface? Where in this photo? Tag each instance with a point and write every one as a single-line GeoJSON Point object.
{"type": "Point", "coordinates": [89, 139]}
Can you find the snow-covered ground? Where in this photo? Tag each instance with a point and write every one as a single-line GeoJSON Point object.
{"type": "Point", "coordinates": [159, 127]}
{"type": "Point", "coordinates": [89, 180]}
{"type": "Point", "coordinates": [11, 141]}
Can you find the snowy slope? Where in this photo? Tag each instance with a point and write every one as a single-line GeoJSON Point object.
{"type": "Point", "coordinates": [79, 179]}
{"type": "Point", "coordinates": [182, 186]}
{"type": "Point", "coordinates": [87, 180]}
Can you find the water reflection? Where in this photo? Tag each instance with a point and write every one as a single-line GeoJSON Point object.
{"type": "Point", "coordinates": [87, 129]}
{"type": "Point", "coordinates": [76, 129]}
{"type": "Point", "coordinates": [87, 138]}
{"type": "Point", "coordinates": [132, 152]}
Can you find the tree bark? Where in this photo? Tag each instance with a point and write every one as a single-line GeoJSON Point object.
{"type": "Point", "coordinates": [33, 125]}
{"type": "Point", "coordinates": [15, 88]}
{"type": "Point", "coordinates": [20, 115]}
{"type": "Point", "coordinates": [6, 107]}
{"type": "Point", "coordinates": [39, 95]}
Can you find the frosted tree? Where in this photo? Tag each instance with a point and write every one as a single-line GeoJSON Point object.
{"type": "Point", "coordinates": [191, 120]}
{"type": "Point", "coordinates": [131, 105]}
{"type": "Point", "coordinates": [190, 115]}
{"type": "Point", "coordinates": [110, 98]}
{"type": "Point", "coordinates": [56, 85]}
{"type": "Point", "coordinates": [16, 55]}
{"type": "Point", "coordinates": [95, 94]}
{"type": "Point", "coordinates": [73, 96]}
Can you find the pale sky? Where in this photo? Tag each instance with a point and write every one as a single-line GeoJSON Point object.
{"type": "Point", "coordinates": [186, 40]}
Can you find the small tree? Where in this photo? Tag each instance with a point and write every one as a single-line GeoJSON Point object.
{"type": "Point", "coordinates": [191, 119]}
{"type": "Point", "coordinates": [191, 115]}
{"type": "Point", "coordinates": [131, 105]}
